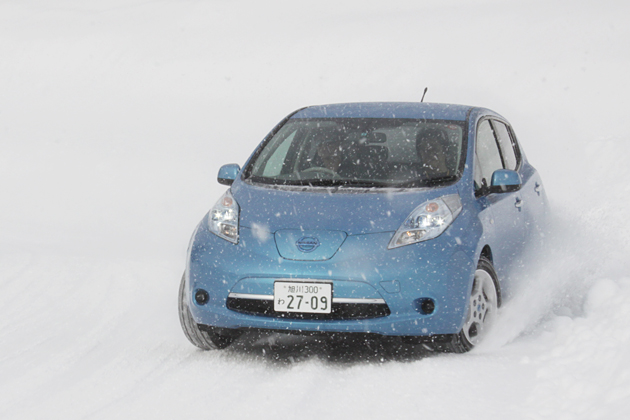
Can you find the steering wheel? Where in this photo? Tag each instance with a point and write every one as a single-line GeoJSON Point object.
{"type": "Point", "coordinates": [321, 170]}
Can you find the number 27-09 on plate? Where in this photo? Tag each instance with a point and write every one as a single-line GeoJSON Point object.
{"type": "Point", "coordinates": [302, 297]}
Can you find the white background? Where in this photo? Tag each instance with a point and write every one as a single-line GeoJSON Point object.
{"type": "Point", "coordinates": [116, 115]}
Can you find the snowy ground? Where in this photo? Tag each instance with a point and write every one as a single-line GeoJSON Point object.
{"type": "Point", "coordinates": [115, 116]}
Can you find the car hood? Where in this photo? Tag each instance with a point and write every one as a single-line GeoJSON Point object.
{"type": "Point", "coordinates": [353, 211]}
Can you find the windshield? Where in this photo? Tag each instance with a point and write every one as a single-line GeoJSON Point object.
{"type": "Point", "coordinates": [360, 152]}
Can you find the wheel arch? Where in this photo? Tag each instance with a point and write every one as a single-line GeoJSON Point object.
{"type": "Point", "coordinates": [486, 253]}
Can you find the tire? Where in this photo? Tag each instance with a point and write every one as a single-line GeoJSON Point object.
{"type": "Point", "coordinates": [205, 340]}
{"type": "Point", "coordinates": [483, 305]}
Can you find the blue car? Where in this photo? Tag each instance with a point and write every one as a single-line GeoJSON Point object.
{"type": "Point", "coordinates": [386, 219]}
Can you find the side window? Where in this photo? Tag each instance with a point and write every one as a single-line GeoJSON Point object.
{"type": "Point", "coordinates": [488, 157]}
{"type": "Point", "coordinates": [477, 176]}
{"type": "Point", "coordinates": [506, 144]}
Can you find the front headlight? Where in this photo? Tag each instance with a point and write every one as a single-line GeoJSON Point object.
{"type": "Point", "coordinates": [427, 221]}
{"type": "Point", "coordinates": [223, 218]}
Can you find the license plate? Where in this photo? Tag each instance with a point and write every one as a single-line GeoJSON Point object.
{"type": "Point", "coordinates": [314, 298]}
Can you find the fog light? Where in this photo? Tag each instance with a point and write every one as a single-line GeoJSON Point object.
{"type": "Point", "coordinates": [425, 306]}
{"type": "Point", "coordinates": [201, 297]}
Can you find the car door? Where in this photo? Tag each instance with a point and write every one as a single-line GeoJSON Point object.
{"type": "Point", "coordinates": [532, 194]}
{"type": "Point", "coordinates": [506, 232]}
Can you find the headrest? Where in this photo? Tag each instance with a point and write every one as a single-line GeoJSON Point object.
{"type": "Point", "coordinates": [432, 137]}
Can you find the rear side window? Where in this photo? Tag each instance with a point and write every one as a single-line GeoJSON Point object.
{"type": "Point", "coordinates": [488, 156]}
{"type": "Point", "coordinates": [506, 144]}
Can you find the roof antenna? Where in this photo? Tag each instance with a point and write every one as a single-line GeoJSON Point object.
{"type": "Point", "coordinates": [425, 92]}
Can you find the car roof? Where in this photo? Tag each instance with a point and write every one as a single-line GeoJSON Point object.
{"type": "Point", "coordinates": [416, 110]}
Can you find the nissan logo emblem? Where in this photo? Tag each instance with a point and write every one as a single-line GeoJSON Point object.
{"type": "Point", "coordinates": [307, 243]}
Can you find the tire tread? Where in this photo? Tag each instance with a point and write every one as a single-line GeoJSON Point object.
{"type": "Point", "coordinates": [201, 339]}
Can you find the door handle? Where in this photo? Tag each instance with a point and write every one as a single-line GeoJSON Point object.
{"type": "Point", "coordinates": [518, 203]}
{"type": "Point", "coordinates": [538, 188]}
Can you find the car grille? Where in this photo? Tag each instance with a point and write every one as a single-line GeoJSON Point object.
{"type": "Point", "coordinates": [339, 310]}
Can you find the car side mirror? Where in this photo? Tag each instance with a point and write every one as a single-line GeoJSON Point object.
{"type": "Point", "coordinates": [228, 173]}
{"type": "Point", "coordinates": [505, 180]}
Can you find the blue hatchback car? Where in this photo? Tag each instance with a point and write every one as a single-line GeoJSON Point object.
{"type": "Point", "coordinates": [391, 219]}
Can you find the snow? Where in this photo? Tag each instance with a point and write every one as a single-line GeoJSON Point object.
{"type": "Point", "coordinates": [116, 115]}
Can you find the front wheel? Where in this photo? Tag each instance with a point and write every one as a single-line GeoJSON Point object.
{"type": "Point", "coordinates": [483, 305]}
{"type": "Point", "coordinates": [205, 340]}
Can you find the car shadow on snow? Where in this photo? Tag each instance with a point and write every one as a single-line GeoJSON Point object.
{"type": "Point", "coordinates": [284, 349]}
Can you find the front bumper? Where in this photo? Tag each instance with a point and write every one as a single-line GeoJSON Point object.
{"type": "Point", "coordinates": [362, 270]}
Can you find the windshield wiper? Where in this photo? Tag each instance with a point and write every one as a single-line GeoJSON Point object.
{"type": "Point", "coordinates": [431, 182]}
{"type": "Point", "coordinates": [346, 183]}
{"type": "Point", "coordinates": [440, 179]}
{"type": "Point", "coordinates": [354, 183]}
